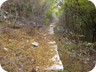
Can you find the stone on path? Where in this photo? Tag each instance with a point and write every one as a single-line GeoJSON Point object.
{"type": "Point", "coordinates": [35, 44]}
{"type": "Point", "coordinates": [6, 49]}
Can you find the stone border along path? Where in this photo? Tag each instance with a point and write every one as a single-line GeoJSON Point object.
{"type": "Point", "coordinates": [58, 64]}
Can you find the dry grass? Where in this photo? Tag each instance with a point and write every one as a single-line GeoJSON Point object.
{"type": "Point", "coordinates": [17, 53]}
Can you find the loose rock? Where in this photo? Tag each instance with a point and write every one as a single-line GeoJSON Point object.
{"type": "Point", "coordinates": [35, 44]}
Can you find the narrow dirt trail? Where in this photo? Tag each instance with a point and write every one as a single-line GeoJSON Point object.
{"type": "Point", "coordinates": [57, 62]}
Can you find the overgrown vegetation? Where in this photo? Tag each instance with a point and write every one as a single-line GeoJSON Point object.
{"type": "Point", "coordinates": [26, 21]}
{"type": "Point", "coordinates": [77, 35]}
{"type": "Point", "coordinates": [24, 10]}
{"type": "Point", "coordinates": [78, 18]}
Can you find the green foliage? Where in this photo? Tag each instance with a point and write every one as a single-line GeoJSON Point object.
{"type": "Point", "coordinates": [79, 16]}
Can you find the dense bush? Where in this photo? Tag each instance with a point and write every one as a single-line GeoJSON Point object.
{"type": "Point", "coordinates": [79, 19]}
{"type": "Point", "coordinates": [32, 10]}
